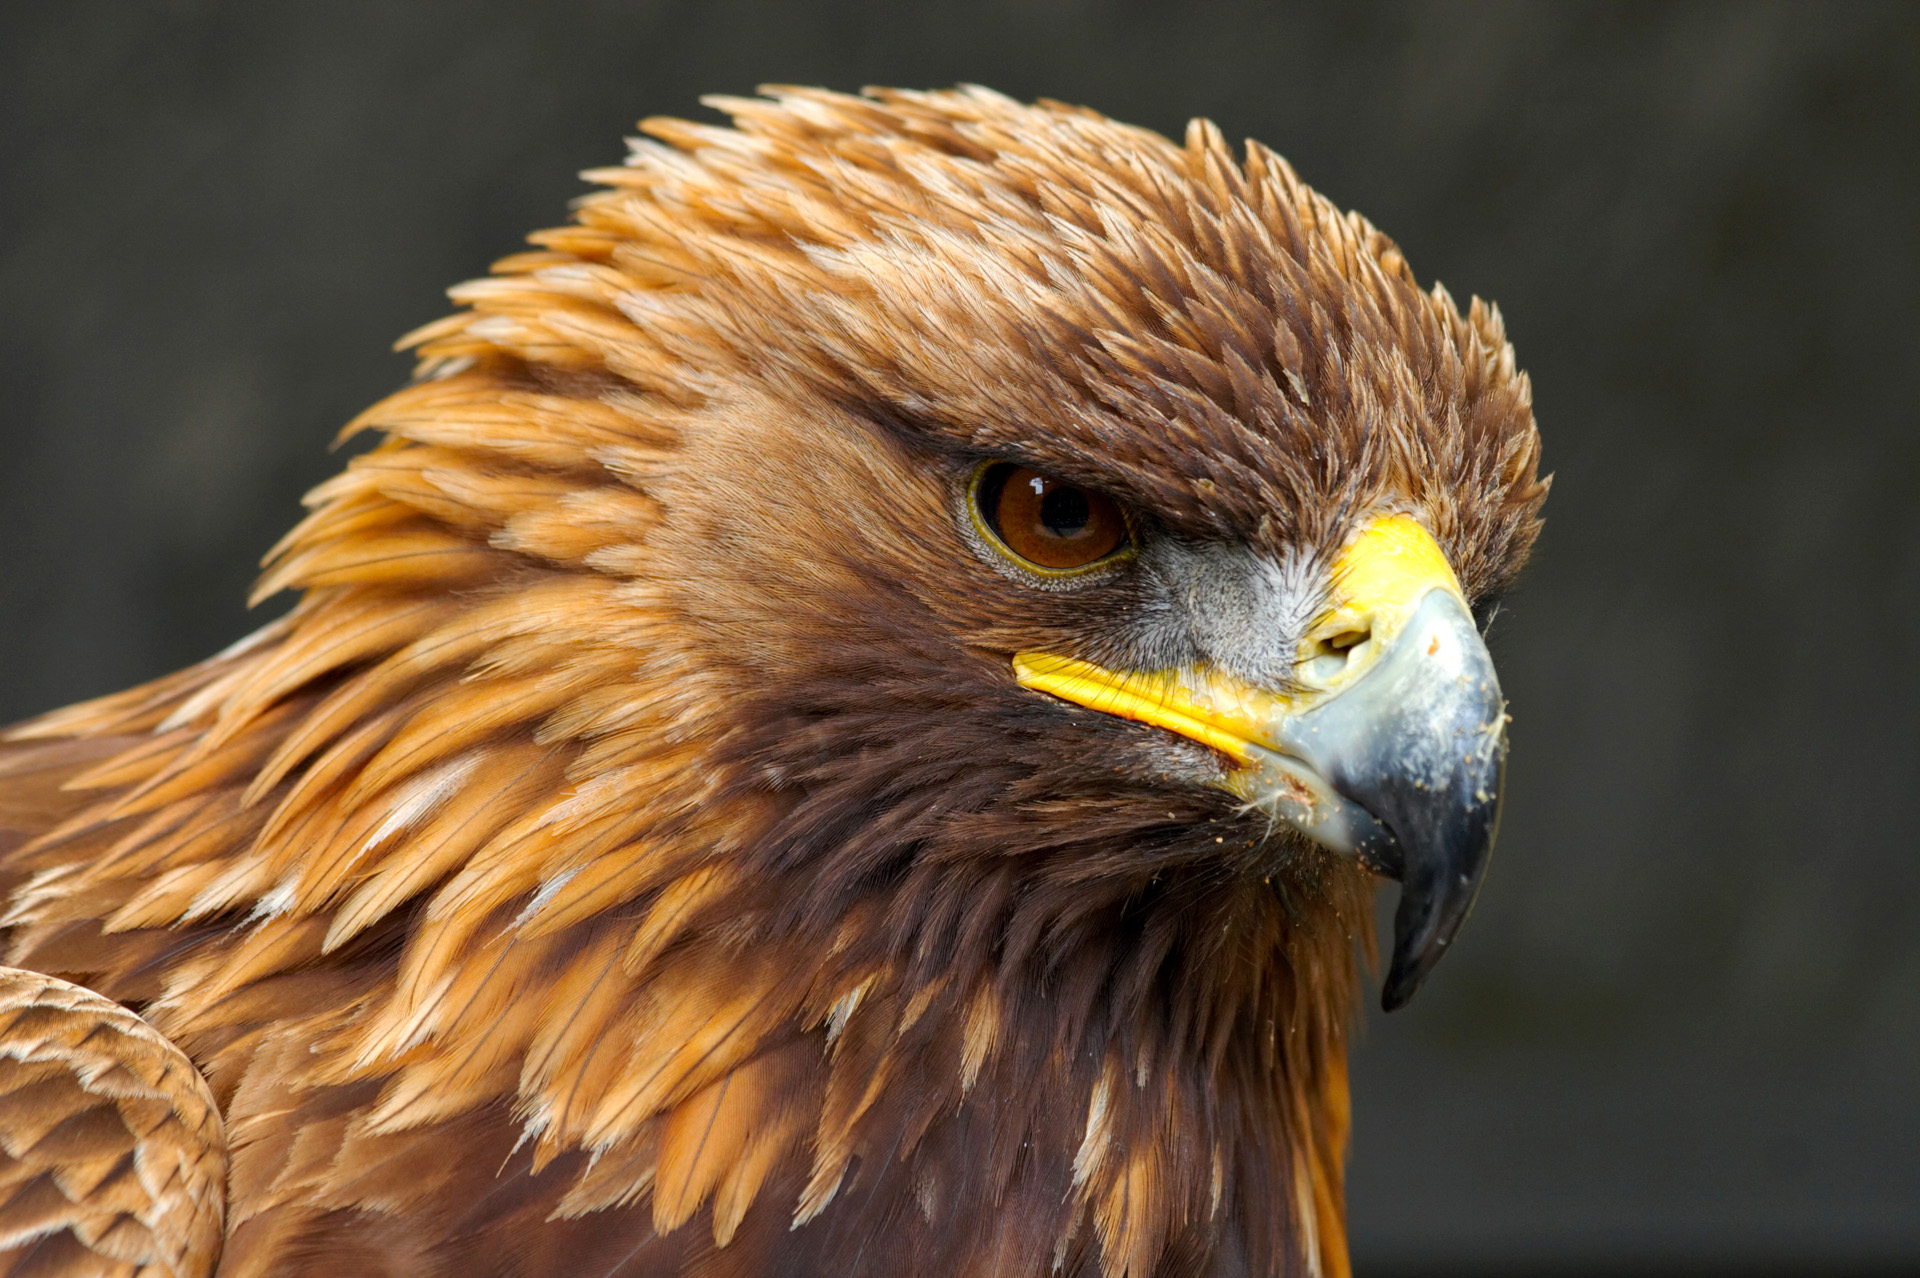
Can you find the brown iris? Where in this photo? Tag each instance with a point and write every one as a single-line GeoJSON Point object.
{"type": "Point", "coordinates": [1048, 522]}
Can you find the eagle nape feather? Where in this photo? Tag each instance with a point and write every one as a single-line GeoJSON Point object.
{"type": "Point", "coordinates": [848, 726]}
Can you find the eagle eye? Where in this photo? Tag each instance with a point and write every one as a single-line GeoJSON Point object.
{"type": "Point", "coordinates": [1048, 525]}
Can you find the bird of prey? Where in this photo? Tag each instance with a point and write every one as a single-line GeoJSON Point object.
{"type": "Point", "coordinates": [848, 726]}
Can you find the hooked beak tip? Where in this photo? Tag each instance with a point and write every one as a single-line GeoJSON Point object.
{"type": "Point", "coordinates": [1441, 881]}
{"type": "Point", "coordinates": [1419, 743]}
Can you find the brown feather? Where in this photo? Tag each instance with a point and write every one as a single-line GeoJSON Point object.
{"type": "Point", "coordinates": [112, 1158]}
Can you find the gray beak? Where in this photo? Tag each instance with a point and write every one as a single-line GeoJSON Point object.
{"type": "Point", "coordinates": [1413, 753]}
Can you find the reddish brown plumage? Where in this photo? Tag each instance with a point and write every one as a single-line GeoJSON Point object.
{"type": "Point", "coordinates": [632, 855]}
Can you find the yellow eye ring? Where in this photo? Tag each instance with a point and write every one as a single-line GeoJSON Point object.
{"type": "Point", "coordinates": [1045, 525]}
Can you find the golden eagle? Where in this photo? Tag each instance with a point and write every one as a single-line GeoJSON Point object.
{"type": "Point", "coordinates": [847, 727]}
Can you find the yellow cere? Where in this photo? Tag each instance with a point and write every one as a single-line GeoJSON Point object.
{"type": "Point", "coordinates": [1393, 561]}
{"type": "Point", "coordinates": [1377, 580]}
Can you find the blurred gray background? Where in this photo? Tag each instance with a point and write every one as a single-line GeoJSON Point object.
{"type": "Point", "coordinates": [1682, 1032]}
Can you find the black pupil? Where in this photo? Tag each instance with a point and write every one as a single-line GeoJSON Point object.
{"type": "Point", "coordinates": [1065, 512]}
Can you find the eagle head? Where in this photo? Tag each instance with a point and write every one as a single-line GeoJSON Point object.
{"type": "Point", "coordinates": [1055, 499]}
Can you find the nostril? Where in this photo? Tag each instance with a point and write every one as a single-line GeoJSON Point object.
{"type": "Point", "coordinates": [1345, 640]}
{"type": "Point", "coordinates": [1331, 654]}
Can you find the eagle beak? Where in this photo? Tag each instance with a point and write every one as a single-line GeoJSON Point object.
{"type": "Point", "coordinates": [1389, 746]}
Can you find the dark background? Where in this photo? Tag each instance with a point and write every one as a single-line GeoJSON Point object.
{"type": "Point", "coordinates": [1682, 1033]}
